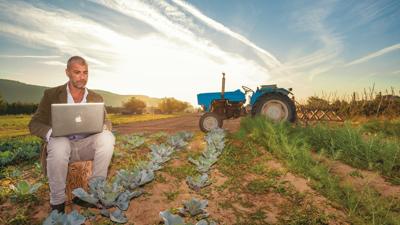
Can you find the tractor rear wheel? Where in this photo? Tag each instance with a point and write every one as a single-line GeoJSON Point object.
{"type": "Point", "coordinates": [209, 121]}
{"type": "Point", "coordinates": [276, 107]}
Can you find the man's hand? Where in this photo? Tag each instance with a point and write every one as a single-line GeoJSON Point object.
{"type": "Point", "coordinates": [48, 135]}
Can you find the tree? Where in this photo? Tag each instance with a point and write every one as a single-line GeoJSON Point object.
{"type": "Point", "coordinates": [315, 102]}
{"type": "Point", "coordinates": [3, 105]}
{"type": "Point", "coordinates": [134, 106]}
{"type": "Point", "coordinates": [171, 105]}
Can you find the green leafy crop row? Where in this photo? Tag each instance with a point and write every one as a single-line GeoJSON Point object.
{"type": "Point", "coordinates": [113, 198]}
{"type": "Point", "coordinates": [16, 150]}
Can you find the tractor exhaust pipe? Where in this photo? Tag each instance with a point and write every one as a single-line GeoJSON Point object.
{"type": "Point", "coordinates": [223, 86]}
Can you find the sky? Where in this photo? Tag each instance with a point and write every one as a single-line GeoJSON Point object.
{"type": "Point", "coordinates": [176, 48]}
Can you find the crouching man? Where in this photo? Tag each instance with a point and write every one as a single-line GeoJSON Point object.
{"type": "Point", "coordinates": [63, 150]}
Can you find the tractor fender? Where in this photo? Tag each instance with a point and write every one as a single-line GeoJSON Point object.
{"type": "Point", "coordinates": [256, 96]}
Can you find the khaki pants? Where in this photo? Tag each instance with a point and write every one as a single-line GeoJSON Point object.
{"type": "Point", "coordinates": [61, 151]}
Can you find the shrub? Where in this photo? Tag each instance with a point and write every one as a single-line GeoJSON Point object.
{"type": "Point", "coordinates": [134, 106]}
{"type": "Point", "coordinates": [171, 105]}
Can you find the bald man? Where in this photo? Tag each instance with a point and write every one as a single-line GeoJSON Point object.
{"type": "Point", "coordinates": [63, 150]}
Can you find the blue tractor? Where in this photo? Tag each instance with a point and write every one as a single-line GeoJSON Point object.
{"type": "Point", "coordinates": [268, 100]}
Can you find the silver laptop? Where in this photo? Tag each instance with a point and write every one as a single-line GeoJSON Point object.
{"type": "Point", "coordinates": [81, 118]}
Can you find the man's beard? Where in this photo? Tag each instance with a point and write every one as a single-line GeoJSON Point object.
{"type": "Point", "coordinates": [79, 84]}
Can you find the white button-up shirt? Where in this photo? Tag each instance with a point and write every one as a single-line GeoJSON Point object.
{"type": "Point", "coordinates": [70, 100]}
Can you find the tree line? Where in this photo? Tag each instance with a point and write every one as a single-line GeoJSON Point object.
{"type": "Point", "coordinates": [132, 106]}
{"type": "Point", "coordinates": [16, 107]}
{"type": "Point", "coordinates": [137, 106]}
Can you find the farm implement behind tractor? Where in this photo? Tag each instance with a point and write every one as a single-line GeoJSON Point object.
{"type": "Point", "coordinates": [268, 100]}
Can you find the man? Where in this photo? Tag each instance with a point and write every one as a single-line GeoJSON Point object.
{"type": "Point", "coordinates": [63, 150]}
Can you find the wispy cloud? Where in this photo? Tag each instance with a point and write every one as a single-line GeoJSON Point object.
{"type": "Point", "coordinates": [64, 31]}
{"type": "Point", "coordinates": [176, 55]}
{"type": "Point", "coordinates": [54, 63]}
{"type": "Point", "coordinates": [272, 60]}
{"type": "Point", "coordinates": [30, 56]}
{"type": "Point", "coordinates": [374, 55]}
{"type": "Point", "coordinates": [180, 45]}
{"type": "Point", "coordinates": [368, 11]}
{"type": "Point", "coordinates": [323, 58]}
{"type": "Point", "coordinates": [312, 20]}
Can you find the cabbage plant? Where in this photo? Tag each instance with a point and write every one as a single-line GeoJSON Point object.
{"type": "Point", "coordinates": [133, 141]}
{"type": "Point", "coordinates": [106, 196]}
{"type": "Point", "coordinates": [118, 216]}
{"type": "Point", "coordinates": [198, 182]}
{"type": "Point", "coordinates": [23, 191]}
{"type": "Point", "coordinates": [24, 188]}
{"type": "Point", "coordinates": [215, 145]}
{"type": "Point", "coordinates": [180, 140]}
{"type": "Point", "coordinates": [161, 153]}
{"type": "Point", "coordinates": [215, 138]}
{"type": "Point", "coordinates": [177, 142]}
{"type": "Point", "coordinates": [203, 163]}
{"type": "Point", "coordinates": [56, 218]}
{"type": "Point", "coordinates": [194, 207]}
{"type": "Point", "coordinates": [171, 219]}
{"type": "Point", "coordinates": [185, 135]}
{"type": "Point", "coordinates": [134, 179]}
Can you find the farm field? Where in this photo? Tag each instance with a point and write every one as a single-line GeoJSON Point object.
{"type": "Point", "coordinates": [263, 173]}
{"type": "Point", "coordinates": [17, 125]}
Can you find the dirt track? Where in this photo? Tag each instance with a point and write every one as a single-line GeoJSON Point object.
{"type": "Point", "coordinates": [188, 122]}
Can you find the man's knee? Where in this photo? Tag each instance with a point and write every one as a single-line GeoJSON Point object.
{"type": "Point", "coordinates": [59, 147]}
{"type": "Point", "coordinates": [105, 139]}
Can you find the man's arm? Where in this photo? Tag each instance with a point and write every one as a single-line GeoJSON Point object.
{"type": "Point", "coordinates": [94, 97]}
{"type": "Point", "coordinates": [107, 123]}
{"type": "Point", "coordinates": [39, 124]}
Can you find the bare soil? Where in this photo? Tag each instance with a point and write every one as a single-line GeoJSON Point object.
{"type": "Point", "coordinates": [228, 203]}
{"type": "Point", "coordinates": [361, 179]}
{"type": "Point", "coordinates": [189, 122]}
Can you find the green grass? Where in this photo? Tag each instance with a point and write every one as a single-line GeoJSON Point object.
{"type": "Point", "coordinates": [260, 186]}
{"type": "Point", "coordinates": [171, 195]}
{"type": "Point", "coordinates": [305, 214]}
{"type": "Point", "coordinates": [365, 207]}
{"type": "Point", "coordinates": [181, 172]}
{"type": "Point", "coordinates": [17, 125]}
{"type": "Point", "coordinates": [14, 125]}
{"type": "Point", "coordinates": [389, 128]}
{"type": "Point", "coordinates": [258, 169]}
{"type": "Point", "coordinates": [244, 164]}
{"type": "Point", "coordinates": [348, 144]}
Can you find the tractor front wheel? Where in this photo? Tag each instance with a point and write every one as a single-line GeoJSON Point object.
{"type": "Point", "coordinates": [209, 121]}
{"type": "Point", "coordinates": [276, 107]}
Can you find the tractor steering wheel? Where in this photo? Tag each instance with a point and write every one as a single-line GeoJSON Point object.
{"type": "Point", "coordinates": [247, 89]}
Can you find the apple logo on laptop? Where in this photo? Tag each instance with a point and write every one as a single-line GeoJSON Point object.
{"type": "Point", "coordinates": [78, 119]}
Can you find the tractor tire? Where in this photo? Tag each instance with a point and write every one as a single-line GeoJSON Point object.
{"type": "Point", "coordinates": [209, 121]}
{"type": "Point", "coordinates": [276, 107]}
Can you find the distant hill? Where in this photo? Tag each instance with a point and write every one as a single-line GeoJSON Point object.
{"type": "Point", "coordinates": [15, 91]}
